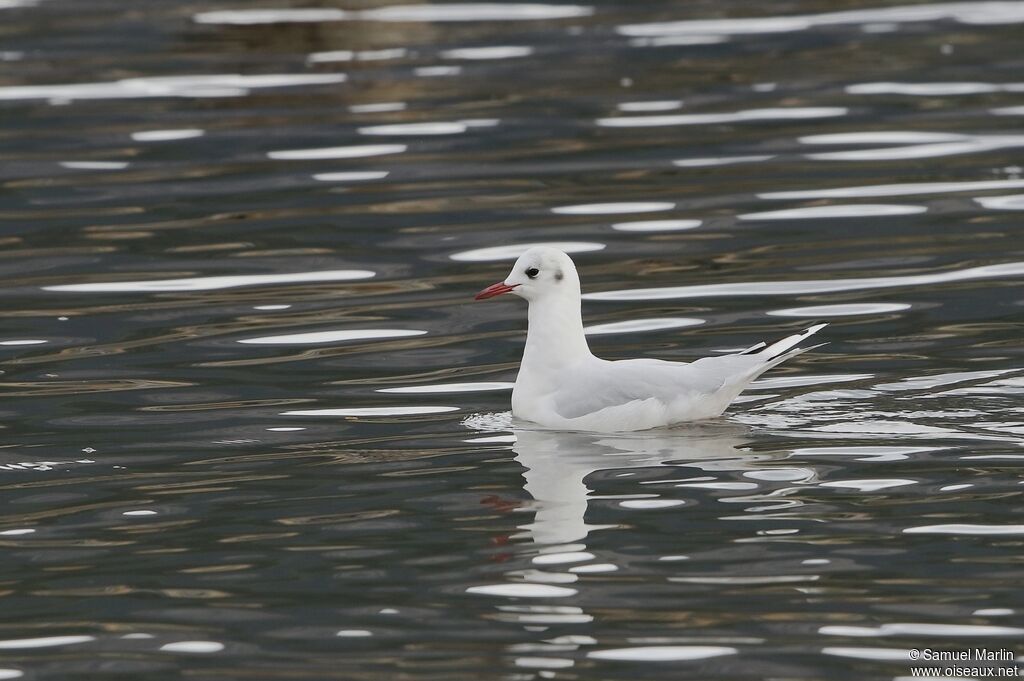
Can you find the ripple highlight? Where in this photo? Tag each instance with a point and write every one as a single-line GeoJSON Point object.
{"type": "Point", "coordinates": [211, 283]}
{"type": "Point", "coordinates": [777, 114]}
{"type": "Point", "coordinates": [804, 287]}
{"type": "Point", "coordinates": [963, 528]}
{"type": "Point", "coordinates": [661, 653]}
{"type": "Point", "coordinates": [656, 225]}
{"type": "Point", "coordinates": [642, 325]}
{"type": "Point", "coordinates": [332, 336]}
{"type": "Point", "coordinates": [840, 310]}
{"type": "Point", "coordinates": [221, 85]}
{"type": "Point", "coordinates": [449, 388]}
{"type": "Point", "coordinates": [838, 211]}
{"type": "Point", "coordinates": [614, 208]}
{"type": "Point", "coordinates": [358, 151]}
{"type": "Point", "coordinates": [908, 189]}
{"type": "Point", "coordinates": [513, 251]}
{"type": "Point", "coordinates": [371, 411]}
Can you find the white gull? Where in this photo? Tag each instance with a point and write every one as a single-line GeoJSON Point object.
{"type": "Point", "coordinates": [561, 384]}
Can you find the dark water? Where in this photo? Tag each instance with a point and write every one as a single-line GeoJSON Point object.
{"type": "Point", "coordinates": [253, 426]}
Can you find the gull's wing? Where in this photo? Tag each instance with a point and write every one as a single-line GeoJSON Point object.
{"type": "Point", "coordinates": [602, 384]}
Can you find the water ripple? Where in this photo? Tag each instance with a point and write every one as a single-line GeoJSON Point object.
{"type": "Point", "coordinates": [332, 336]}
{"type": "Point", "coordinates": [657, 225]}
{"type": "Point", "coordinates": [372, 411]}
{"type": "Point", "coordinates": [907, 189]}
{"type": "Point", "coordinates": [1011, 202]}
{"type": "Point", "coordinates": [359, 151]}
{"type": "Point", "coordinates": [1008, 12]}
{"type": "Point", "coordinates": [854, 210]}
{"type": "Point", "coordinates": [661, 653]}
{"type": "Point", "coordinates": [655, 105]}
{"type": "Point", "coordinates": [965, 528]}
{"type": "Point", "coordinates": [416, 129]}
{"type": "Point", "coordinates": [513, 251]}
{"type": "Point", "coordinates": [477, 11]}
{"type": "Point", "coordinates": [167, 135]}
{"type": "Point", "coordinates": [449, 388]}
{"type": "Point", "coordinates": [360, 55]}
{"type": "Point", "coordinates": [43, 642]}
{"type": "Point", "coordinates": [642, 325]}
{"type": "Point", "coordinates": [970, 144]}
{"type": "Point", "coordinates": [781, 288]}
{"type": "Point", "coordinates": [351, 176]}
{"type": "Point", "coordinates": [439, 12]}
{"type": "Point", "coordinates": [211, 283]}
{"type": "Point", "coordinates": [932, 89]}
{"type": "Point", "coordinates": [614, 208]}
{"type": "Point", "coordinates": [749, 115]}
{"type": "Point", "coordinates": [840, 310]}
{"type": "Point", "coordinates": [921, 629]}
{"type": "Point", "coordinates": [522, 590]}
{"type": "Point", "coordinates": [222, 85]}
{"type": "Point", "coordinates": [488, 52]}
{"type": "Point", "coordinates": [249, 17]}
{"type": "Point", "coordinates": [719, 161]}
{"type": "Point", "coordinates": [193, 647]}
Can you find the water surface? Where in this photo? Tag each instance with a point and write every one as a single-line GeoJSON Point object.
{"type": "Point", "coordinates": [255, 427]}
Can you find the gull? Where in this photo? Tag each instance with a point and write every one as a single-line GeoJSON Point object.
{"type": "Point", "coordinates": [562, 385]}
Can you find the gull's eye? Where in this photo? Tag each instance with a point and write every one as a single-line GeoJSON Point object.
{"type": "Point", "coordinates": [532, 272]}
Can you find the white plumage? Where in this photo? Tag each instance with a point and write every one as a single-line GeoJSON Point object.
{"type": "Point", "coordinates": [561, 384]}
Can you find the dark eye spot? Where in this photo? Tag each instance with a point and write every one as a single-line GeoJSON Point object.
{"type": "Point", "coordinates": [532, 272]}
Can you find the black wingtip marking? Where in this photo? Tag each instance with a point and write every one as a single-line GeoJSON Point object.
{"type": "Point", "coordinates": [809, 331]}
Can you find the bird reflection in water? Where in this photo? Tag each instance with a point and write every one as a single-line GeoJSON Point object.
{"type": "Point", "coordinates": [557, 464]}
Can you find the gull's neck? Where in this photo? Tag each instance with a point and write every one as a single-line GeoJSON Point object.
{"type": "Point", "coordinates": [555, 337]}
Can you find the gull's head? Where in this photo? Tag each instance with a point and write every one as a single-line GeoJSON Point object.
{"type": "Point", "coordinates": [539, 273]}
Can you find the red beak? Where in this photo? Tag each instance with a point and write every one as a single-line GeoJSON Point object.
{"type": "Point", "coordinates": [494, 290]}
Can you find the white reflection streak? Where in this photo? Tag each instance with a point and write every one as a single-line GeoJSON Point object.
{"type": "Point", "coordinates": [429, 128]}
{"type": "Point", "coordinates": [791, 113]}
{"type": "Point", "coordinates": [661, 653]}
{"type": "Point", "coordinates": [773, 288]}
{"type": "Point", "coordinates": [840, 310]}
{"type": "Point", "coordinates": [371, 411]}
{"type": "Point", "coordinates": [166, 135]}
{"type": "Point", "coordinates": [270, 16]}
{"type": "Point", "coordinates": [1011, 202]}
{"type": "Point", "coordinates": [844, 211]}
{"type": "Point", "coordinates": [479, 11]}
{"type": "Point", "coordinates": [920, 629]}
{"type": "Point", "coordinates": [641, 325]}
{"type": "Point", "coordinates": [490, 52]}
{"type": "Point", "coordinates": [43, 642]}
{"type": "Point", "coordinates": [319, 153]}
{"type": "Point", "coordinates": [220, 85]}
{"type": "Point", "coordinates": [211, 283]}
{"type": "Point", "coordinates": [907, 189]}
{"type": "Point", "coordinates": [349, 55]}
{"type": "Point", "coordinates": [932, 89]}
{"type": "Point", "coordinates": [332, 336]}
{"type": "Point", "coordinates": [972, 145]}
{"type": "Point", "coordinates": [513, 251]}
{"type": "Point", "coordinates": [1008, 12]}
